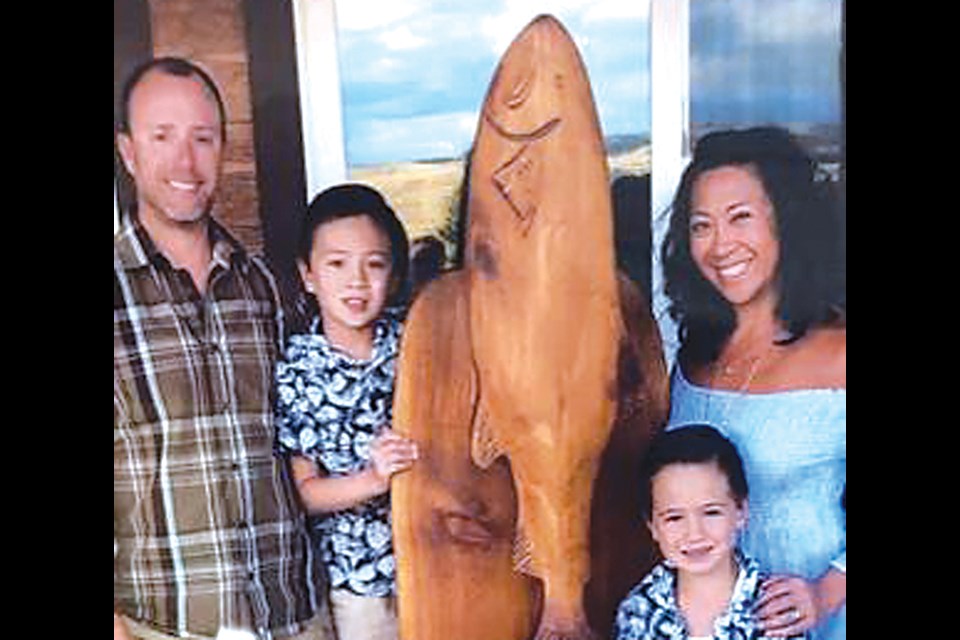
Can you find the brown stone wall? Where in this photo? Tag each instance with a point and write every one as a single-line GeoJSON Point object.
{"type": "Point", "coordinates": [213, 34]}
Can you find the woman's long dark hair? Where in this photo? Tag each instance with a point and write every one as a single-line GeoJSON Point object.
{"type": "Point", "coordinates": [345, 201]}
{"type": "Point", "coordinates": [811, 274]}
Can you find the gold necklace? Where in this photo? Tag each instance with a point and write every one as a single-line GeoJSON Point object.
{"type": "Point", "coordinates": [724, 409]}
{"type": "Point", "coordinates": [717, 372]}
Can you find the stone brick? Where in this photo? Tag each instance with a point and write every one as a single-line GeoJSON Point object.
{"type": "Point", "coordinates": [239, 154]}
{"type": "Point", "coordinates": [237, 207]}
{"type": "Point", "coordinates": [207, 27]}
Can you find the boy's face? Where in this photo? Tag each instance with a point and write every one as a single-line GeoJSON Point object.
{"type": "Point", "coordinates": [349, 273]}
{"type": "Point", "coordinates": [695, 518]}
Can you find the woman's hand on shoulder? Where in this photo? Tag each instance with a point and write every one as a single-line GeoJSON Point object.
{"type": "Point", "coordinates": [787, 606]}
{"type": "Point", "coordinates": [790, 605]}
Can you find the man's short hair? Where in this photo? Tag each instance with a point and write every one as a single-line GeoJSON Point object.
{"type": "Point", "coordinates": [171, 66]}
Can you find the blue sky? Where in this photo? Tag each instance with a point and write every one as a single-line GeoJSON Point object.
{"type": "Point", "coordinates": [414, 72]}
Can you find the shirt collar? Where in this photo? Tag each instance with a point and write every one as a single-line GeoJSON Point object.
{"type": "Point", "coordinates": [386, 333]}
{"type": "Point", "coordinates": [739, 612]}
{"type": "Point", "coordinates": [135, 248]}
{"type": "Point", "coordinates": [663, 592]}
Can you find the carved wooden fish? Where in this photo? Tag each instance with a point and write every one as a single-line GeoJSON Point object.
{"type": "Point", "coordinates": [518, 373]}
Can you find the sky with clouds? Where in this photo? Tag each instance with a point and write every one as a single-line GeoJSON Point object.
{"type": "Point", "coordinates": [414, 72]}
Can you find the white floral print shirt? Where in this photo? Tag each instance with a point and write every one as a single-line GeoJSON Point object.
{"type": "Point", "coordinates": [329, 407]}
{"type": "Point", "coordinates": [651, 612]}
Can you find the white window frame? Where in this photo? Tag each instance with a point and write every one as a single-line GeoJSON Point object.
{"type": "Point", "coordinates": [318, 78]}
{"type": "Point", "coordinates": [670, 139]}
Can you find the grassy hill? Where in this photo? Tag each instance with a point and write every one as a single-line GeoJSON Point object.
{"type": "Point", "coordinates": [425, 194]}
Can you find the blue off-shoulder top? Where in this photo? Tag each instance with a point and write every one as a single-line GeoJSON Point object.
{"type": "Point", "coordinates": [794, 448]}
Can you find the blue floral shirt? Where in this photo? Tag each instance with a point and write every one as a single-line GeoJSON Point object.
{"type": "Point", "coordinates": [329, 407]}
{"type": "Point", "coordinates": [651, 612]}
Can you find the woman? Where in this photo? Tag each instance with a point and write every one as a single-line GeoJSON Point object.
{"type": "Point", "coordinates": [753, 264]}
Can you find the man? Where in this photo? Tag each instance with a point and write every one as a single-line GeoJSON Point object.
{"type": "Point", "coordinates": [209, 540]}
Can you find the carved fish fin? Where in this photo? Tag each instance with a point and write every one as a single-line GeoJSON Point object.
{"type": "Point", "coordinates": [523, 553]}
{"type": "Point", "coordinates": [484, 448]}
{"type": "Point", "coordinates": [519, 181]}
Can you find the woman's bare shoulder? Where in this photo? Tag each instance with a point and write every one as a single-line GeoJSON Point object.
{"type": "Point", "coordinates": [825, 350]}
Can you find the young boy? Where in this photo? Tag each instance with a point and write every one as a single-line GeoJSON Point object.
{"type": "Point", "coordinates": [334, 396]}
{"type": "Point", "coordinates": [695, 504]}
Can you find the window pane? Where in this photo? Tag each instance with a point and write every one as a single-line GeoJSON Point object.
{"type": "Point", "coordinates": [768, 62]}
{"type": "Point", "coordinates": [414, 74]}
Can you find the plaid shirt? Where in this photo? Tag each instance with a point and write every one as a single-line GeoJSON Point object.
{"type": "Point", "coordinates": [207, 532]}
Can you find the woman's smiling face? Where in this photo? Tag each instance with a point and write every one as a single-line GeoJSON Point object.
{"type": "Point", "coordinates": [733, 235]}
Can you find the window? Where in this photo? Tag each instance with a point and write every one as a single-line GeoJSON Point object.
{"type": "Point", "coordinates": [769, 62]}
{"type": "Point", "coordinates": [734, 64]}
{"type": "Point", "coordinates": [414, 75]}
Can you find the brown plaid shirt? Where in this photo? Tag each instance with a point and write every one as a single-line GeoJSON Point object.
{"type": "Point", "coordinates": [207, 530]}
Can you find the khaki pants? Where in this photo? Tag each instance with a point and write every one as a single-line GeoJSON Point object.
{"type": "Point", "coordinates": [316, 629]}
{"type": "Point", "coordinates": [360, 618]}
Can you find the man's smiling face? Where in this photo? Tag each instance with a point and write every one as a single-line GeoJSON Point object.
{"type": "Point", "coordinates": [173, 148]}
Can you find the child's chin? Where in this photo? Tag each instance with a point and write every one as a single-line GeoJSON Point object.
{"type": "Point", "coordinates": [700, 565]}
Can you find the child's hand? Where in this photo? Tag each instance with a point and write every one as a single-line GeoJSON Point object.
{"type": "Point", "coordinates": [389, 454]}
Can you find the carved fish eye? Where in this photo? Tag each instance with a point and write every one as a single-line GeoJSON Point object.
{"type": "Point", "coordinates": [520, 89]}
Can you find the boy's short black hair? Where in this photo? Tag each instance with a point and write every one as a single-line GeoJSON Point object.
{"type": "Point", "coordinates": [691, 444]}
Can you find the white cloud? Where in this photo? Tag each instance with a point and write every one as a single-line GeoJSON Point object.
{"type": "Point", "coordinates": [604, 10]}
{"type": "Point", "coordinates": [499, 30]}
{"type": "Point", "coordinates": [403, 138]}
{"type": "Point", "coordinates": [371, 15]}
{"type": "Point", "coordinates": [502, 27]}
{"type": "Point", "coordinates": [402, 39]}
